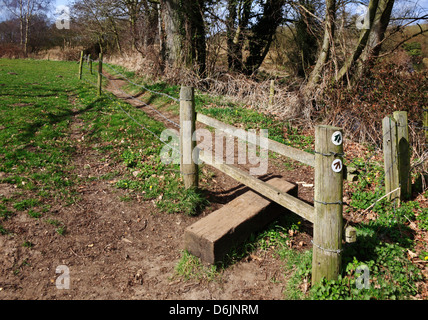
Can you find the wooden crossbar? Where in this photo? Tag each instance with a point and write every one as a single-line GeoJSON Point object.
{"type": "Point", "coordinates": [290, 152]}
{"type": "Point", "coordinates": [291, 203]}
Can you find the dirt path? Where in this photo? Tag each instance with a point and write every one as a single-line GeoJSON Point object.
{"type": "Point", "coordinates": [116, 249]}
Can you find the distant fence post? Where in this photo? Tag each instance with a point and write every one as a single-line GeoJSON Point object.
{"type": "Point", "coordinates": [100, 71]}
{"type": "Point", "coordinates": [425, 126]}
{"type": "Point", "coordinates": [188, 166]}
{"type": "Point", "coordinates": [328, 197]}
{"type": "Point", "coordinates": [271, 92]}
{"type": "Point", "coordinates": [390, 158]}
{"type": "Point", "coordinates": [81, 65]}
{"type": "Point", "coordinates": [90, 63]}
{"type": "Point", "coordinates": [403, 154]}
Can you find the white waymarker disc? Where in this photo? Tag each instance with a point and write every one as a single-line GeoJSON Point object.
{"type": "Point", "coordinates": [337, 165]}
{"type": "Point", "coordinates": [337, 138]}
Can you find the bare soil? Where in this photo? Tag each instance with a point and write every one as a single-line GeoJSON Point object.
{"type": "Point", "coordinates": [118, 249]}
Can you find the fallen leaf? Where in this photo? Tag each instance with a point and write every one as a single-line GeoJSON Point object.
{"type": "Point", "coordinates": [254, 257]}
{"type": "Point", "coordinates": [411, 254]}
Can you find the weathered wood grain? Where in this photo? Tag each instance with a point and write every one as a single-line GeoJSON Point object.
{"type": "Point", "coordinates": [212, 237]}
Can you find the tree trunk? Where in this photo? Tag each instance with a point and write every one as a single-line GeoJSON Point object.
{"type": "Point", "coordinates": [171, 20]}
{"type": "Point", "coordinates": [21, 22]}
{"type": "Point", "coordinates": [362, 42]}
{"type": "Point", "coordinates": [116, 34]}
{"type": "Point", "coordinates": [195, 37]}
{"type": "Point", "coordinates": [304, 37]}
{"type": "Point", "coordinates": [161, 31]}
{"type": "Point", "coordinates": [236, 24]}
{"type": "Point", "coordinates": [377, 35]}
{"type": "Point", "coordinates": [262, 34]}
{"type": "Point", "coordinates": [315, 76]}
{"type": "Point", "coordinates": [184, 34]}
{"type": "Point", "coordinates": [27, 29]}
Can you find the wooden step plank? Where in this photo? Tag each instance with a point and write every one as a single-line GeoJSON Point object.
{"type": "Point", "coordinates": [213, 236]}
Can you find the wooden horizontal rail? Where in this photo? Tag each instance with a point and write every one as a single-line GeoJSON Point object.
{"type": "Point", "coordinates": [290, 152]}
{"type": "Point", "coordinates": [296, 205]}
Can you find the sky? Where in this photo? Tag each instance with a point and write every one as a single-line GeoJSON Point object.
{"type": "Point", "coordinates": [422, 3]}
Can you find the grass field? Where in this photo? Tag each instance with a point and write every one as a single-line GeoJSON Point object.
{"type": "Point", "coordinates": [37, 106]}
{"type": "Point", "coordinates": [46, 112]}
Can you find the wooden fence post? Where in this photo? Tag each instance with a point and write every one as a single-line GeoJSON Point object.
{"type": "Point", "coordinates": [81, 65]}
{"type": "Point", "coordinates": [271, 92]}
{"type": "Point", "coordinates": [189, 168]}
{"type": "Point", "coordinates": [328, 197]}
{"type": "Point", "coordinates": [392, 178]}
{"type": "Point", "coordinates": [425, 126]}
{"type": "Point", "coordinates": [90, 63]}
{"type": "Point", "coordinates": [100, 71]}
{"type": "Point", "coordinates": [403, 154]}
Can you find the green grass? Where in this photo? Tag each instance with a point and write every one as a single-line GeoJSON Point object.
{"type": "Point", "coordinates": [38, 103]}
{"type": "Point", "coordinates": [35, 117]}
{"type": "Point", "coordinates": [190, 267]}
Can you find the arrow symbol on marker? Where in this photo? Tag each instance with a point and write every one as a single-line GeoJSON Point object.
{"type": "Point", "coordinates": [338, 138]}
{"type": "Point", "coordinates": [337, 165]}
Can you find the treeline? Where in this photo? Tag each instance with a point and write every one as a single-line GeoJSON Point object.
{"type": "Point", "coordinates": [203, 36]}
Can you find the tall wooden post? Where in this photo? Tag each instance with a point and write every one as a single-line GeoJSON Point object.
{"type": "Point", "coordinates": [189, 168]}
{"type": "Point", "coordinates": [81, 65]}
{"type": "Point", "coordinates": [425, 127]}
{"type": "Point", "coordinates": [403, 149]}
{"type": "Point", "coordinates": [100, 71]}
{"type": "Point", "coordinates": [90, 63]}
{"type": "Point", "coordinates": [328, 197]}
{"type": "Point", "coordinates": [271, 92]}
{"type": "Point", "coordinates": [390, 149]}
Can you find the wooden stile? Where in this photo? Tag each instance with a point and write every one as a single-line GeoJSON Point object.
{"type": "Point", "coordinates": [294, 204]}
{"type": "Point", "coordinates": [326, 215]}
{"type": "Point", "coordinates": [213, 236]}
